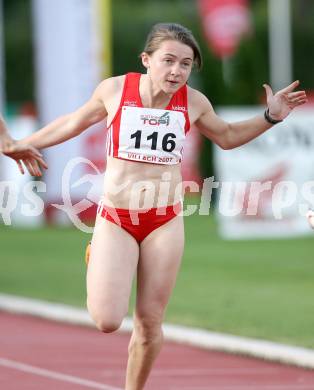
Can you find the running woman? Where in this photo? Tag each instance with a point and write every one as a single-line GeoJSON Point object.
{"type": "Point", "coordinates": [31, 158]}
{"type": "Point", "coordinates": [148, 116]}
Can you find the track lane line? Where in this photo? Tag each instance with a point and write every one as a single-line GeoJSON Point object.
{"type": "Point", "coordinates": [13, 364]}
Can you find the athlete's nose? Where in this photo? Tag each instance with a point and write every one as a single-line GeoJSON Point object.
{"type": "Point", "coordinates": [175, 69]}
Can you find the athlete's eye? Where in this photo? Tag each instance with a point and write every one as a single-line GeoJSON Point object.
{"type": "Point", "coordinates": [168, 61]}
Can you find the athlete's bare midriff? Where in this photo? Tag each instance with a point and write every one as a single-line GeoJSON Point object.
{"type": "Point", "coordinates": [133, 185]}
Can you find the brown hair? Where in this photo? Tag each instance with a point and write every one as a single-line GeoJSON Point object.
{"type": "Point", "coordinates": [171, 31]}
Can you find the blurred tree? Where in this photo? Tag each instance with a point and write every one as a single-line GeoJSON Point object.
{"type": "Point", "coordinates": [303, 38]}
{"type": "Point", "coordinates": [132, 21]}
{"type": "Point", "coordinates": [18, 51]}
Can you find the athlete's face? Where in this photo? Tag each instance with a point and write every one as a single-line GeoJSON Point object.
{"type": "Point", "coordinates": [169, 66]}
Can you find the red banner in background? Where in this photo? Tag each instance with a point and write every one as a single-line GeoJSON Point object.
{"type": "Point", "coordinates": [224, 23]}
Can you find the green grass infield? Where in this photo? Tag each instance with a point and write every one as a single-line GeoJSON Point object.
{"type": "Point", "coordinates": [255, 288]}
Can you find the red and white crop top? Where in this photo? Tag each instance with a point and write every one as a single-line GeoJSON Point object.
{"type": "Point", "coordinates": [144, 134]}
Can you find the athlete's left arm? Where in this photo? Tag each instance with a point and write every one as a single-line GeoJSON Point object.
{"type": "Point", "coordinates": [231, 135]}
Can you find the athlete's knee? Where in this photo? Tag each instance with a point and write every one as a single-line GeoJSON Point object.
{"type": "Point", "coordinates": [148, 328]}
{"type": "Point", "coordinates": [106, 321]}
{"type": "Point", "coordinates": [107, 325]}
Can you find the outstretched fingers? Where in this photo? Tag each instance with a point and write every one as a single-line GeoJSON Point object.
{"type": "Point", "coordinates": [298, 102]}
{"type": "Point", "coordinates": [42, 163]}
{"type": "Point", "coordinates": [32, 159]}
{"type": "Point", "coordinates": [297, 94]}
{"type": "Point", "coordinates": [294, 99]}
{"type": "Point", "coordinates": [20, 166]}
{"type": "Point", "coordinates": [32, 167]}
{"type": "Point", "coordinates": [29, 166]}
{"type": "Point", "coordinates": [290, 87]}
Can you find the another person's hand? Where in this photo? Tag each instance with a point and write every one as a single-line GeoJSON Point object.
{"type": "Point", "coordinates": [284, 101]}
{"type": "Point", "coordinates": [310, 218]}
{"type": "Point", "coordinates": [30, 156]}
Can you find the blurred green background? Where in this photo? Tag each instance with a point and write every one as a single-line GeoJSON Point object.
{"type": "Point", "coordinates": [250, 63]}
{"type": "Point", "coordinates": [132, 20]}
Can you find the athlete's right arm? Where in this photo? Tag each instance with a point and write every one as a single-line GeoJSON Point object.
{"type": "Point", "coordinates": [71, 125]}
{"type": "Point", "coordinates": [30, 156]}
{"type": "Point", "coordinates": [5, 139]}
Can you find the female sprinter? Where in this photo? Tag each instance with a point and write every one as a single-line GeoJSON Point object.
{"type": "Point", "coordinates": [31, 158]}
{"type": "Point", "coordinates": [148, 116]}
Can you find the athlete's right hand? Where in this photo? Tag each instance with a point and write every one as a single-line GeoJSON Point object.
{"type": "Point", "coordinates": [20, 152]}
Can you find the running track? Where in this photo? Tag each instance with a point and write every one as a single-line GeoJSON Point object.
{"type": "Point", "coordinates": [37, 354]}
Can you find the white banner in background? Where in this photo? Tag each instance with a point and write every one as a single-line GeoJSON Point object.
{"type": "Point", "coordinates": [267, 185]}
{"type": "Point", "coordinates": [68, 64]}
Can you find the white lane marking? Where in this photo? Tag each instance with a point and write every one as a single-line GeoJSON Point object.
{"type": "Point", "coordinates": [54, 375]}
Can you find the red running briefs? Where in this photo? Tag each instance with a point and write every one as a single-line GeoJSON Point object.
{"type": "Point", "coordinates": [140, 223]}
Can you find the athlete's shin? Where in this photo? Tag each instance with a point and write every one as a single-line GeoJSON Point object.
{"type": "Point", "coordinates": [144, 347]}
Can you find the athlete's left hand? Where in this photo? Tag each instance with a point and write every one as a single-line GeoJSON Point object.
{"type": "Point", "coordinates": [284, 101]}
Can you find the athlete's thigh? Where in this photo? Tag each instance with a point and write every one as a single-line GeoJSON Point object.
{"type": "Point", "coordinates": [160, 259]}
{"type": "Point", "coordinates": [112, 265]}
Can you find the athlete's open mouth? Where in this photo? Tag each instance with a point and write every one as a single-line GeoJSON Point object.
{"type": "Point", "coordinates": [172, 82]}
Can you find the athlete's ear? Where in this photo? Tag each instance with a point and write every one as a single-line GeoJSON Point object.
{"type": "Point", "coordinates": [145, 59]}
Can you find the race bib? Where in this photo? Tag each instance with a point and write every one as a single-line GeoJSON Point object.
{"type": "Point", "coordinates": [151, 135]}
